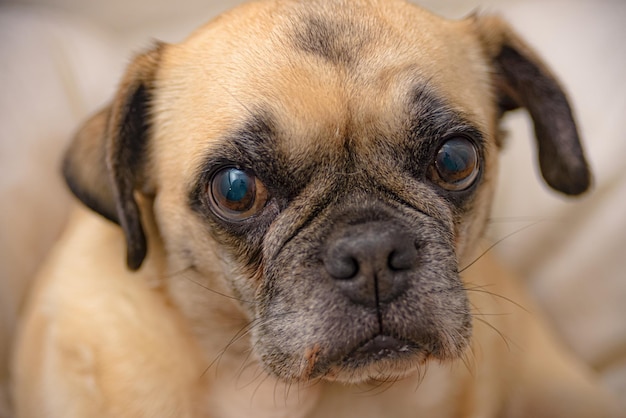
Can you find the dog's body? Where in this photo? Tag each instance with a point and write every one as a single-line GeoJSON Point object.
{"type": "Point", "coordinates": [298, 186]}
{"type": "Point", "coordinates": [119, 348]}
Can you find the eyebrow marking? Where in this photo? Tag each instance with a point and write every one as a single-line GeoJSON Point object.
{"type": "Point", "coordinates": [432, 117]}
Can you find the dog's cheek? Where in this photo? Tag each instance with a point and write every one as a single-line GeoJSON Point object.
{"type": "Point", "coordinates": [198, 267]}
{"type": "Point", "coordinates": [288, 319]}
{"type": "Point", "coordinates": [302, 316]}
{"type": "Point", "coordinates": [437, 297]}
{"type": "Point", "coordinates": [471, 221]}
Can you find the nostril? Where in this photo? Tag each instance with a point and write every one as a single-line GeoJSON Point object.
{"type": "Point", "coordinates": [403, 258]}
{"type": "Point", "coordinates": [398, 262]}
{"type": "Point", "coordinates": [342, 268]}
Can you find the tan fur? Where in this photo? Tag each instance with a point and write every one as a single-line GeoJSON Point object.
{"type": "Point", "coordinates": [99, 340]}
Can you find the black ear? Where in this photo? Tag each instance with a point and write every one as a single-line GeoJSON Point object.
{"type": "Point", "coordinates": [106, 162]}
{"type": "Point", "coordinates": [521, 79]}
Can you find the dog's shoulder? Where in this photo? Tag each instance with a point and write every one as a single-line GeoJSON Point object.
{"type": "Point", "coordinates": [84, 309]}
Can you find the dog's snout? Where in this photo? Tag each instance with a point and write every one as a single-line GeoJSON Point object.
{"type": "Point", "coordinates": [370, 262]}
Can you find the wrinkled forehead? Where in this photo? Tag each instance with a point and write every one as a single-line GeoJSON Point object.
{"type": "Point", "coordinates": [326, 68]}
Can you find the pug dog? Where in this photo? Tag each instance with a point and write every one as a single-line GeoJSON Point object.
{"type": "Point", "coordinates": [285, 214]}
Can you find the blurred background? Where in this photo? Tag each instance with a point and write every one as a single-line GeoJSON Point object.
{"type": "Point", "coordinates": [60, 61]}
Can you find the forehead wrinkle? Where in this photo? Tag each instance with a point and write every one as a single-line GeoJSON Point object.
{"type": "Point", "coordinates": [338, 40]}
{"type": "Point", "coordinates": [313, 110]}
{"type": "Point", "coordinates": [325, 109]}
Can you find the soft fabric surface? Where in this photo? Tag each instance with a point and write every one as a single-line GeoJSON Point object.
{"type": "Point", "coordinates": [59, 61]}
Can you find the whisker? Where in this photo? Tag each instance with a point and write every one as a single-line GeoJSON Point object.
{"type": "Point", "coordinates": [378, 385]}
{"type": "Point", "coordinates": [246, 363]}
{"type": "Point", "coordinates": [241, 333]}
{"type": "Point", "coordinates": [490, 314]}
{"type": "Point", "coordinates": [469, 360]}
{"type": "Point", "coordinates": [507, 341]}
{"type": "Point", "coordinates": [421, 375]}
{"type": "Point", "coordinates": [286, 390]}
{"type": "Point", "coordinates": [386, 384]}
{"type": "Point", "coordinates": [184, 270]}
{"type": "Point", "coordinates": [260, 372]}
{"type": "Point", "coordinates": [507, 236]}
{"type": "Point", "coordinates": [481, 289]}
{"type": "Point", "coordinates": [217, 292]}
{"type": "Point", "coordinates": [258, 387]}
{"type": "Point", "coordinates": [504, 219]}
{"type": "Point", "coordinates": [276, 382]}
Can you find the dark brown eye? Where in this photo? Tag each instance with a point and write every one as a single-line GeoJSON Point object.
{"type": "Point", "coordinates": [236, 194]}
{"type": "Point", "coordinates": [456, 164]}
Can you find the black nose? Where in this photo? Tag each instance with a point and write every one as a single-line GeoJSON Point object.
{"type": "Point", "coordinates": [371, 262]}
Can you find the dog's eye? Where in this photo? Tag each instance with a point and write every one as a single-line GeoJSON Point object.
{"type": "Point", "coordinates": [456, 164]}
{"type": "Point", "coordinates": [236, 194]}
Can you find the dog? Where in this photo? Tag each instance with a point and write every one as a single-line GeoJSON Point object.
{"type": "Point", "coordinates": [283, 216]}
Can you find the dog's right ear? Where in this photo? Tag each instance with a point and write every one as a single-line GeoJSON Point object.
{"type": "Point", "coordinates": [106, 162]}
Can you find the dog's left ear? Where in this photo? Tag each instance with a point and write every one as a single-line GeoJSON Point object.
{"type": "Point", "coordinates": [107, 160]}
{"type": "Point", "coordinates": [521, 79]}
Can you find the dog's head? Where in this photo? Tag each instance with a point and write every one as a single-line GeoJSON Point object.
{"type": "Point", "coordinates": [329, 164]}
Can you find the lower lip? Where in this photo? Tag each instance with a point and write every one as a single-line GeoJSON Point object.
{"type": "Point", "coordinates": [382, 347]}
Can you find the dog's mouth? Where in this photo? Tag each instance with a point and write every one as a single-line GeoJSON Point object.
{"type": "Point", "coordinates": [381, 347]}
{"type": "Point", "coordinates": [384, 356]}
{"type": "Point", "coordinates": [380, 356]}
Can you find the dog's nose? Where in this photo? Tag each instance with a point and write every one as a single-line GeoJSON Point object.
{"type": "Point", "coordinates": [370, 262]}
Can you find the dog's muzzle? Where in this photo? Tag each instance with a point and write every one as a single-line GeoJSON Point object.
{"type": "Point", "coordinates": [362, 292]}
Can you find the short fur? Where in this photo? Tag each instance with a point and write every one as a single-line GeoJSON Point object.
{"type": "Point", "coordinates": [338, 108]}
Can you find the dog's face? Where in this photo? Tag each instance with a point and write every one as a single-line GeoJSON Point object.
{"type": "Point", "coordinates": [330, 166]}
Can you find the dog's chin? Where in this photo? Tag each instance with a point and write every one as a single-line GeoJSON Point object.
{"type": "Point", "coordinates": [380, 359]}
